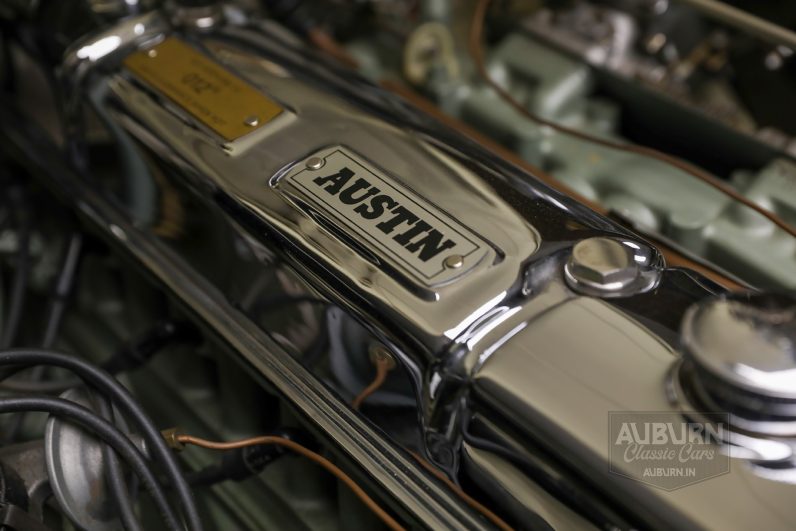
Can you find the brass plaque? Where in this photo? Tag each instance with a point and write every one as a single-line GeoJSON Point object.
{"type": "Point", "coordinates": [209, 92]}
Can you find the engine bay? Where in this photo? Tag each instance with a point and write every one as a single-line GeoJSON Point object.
{"type": "Point", "coordinates": [388, 264]}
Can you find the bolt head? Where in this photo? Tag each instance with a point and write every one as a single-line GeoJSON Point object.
{"type": "Point", "coordinates": [602, 263]}
{"type": "Point", "coordinates": [252, 121]}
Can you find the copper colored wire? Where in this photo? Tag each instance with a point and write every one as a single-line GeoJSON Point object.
{"type": "Point", "coordinates": [388, 520]}
{"type": "Point", "coordinates": [383, 366]}
{"type": "Point", "coordinates": [469, 500]}
{"type": "Point", "coordinates": [476, 51]}
{"type": "Point", "coordinates": [672, 256]}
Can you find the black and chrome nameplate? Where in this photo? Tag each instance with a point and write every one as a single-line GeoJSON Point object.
{"type": "Point", "coordinates": [390, 220]}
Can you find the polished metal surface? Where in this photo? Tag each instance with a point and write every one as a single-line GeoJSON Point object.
{"type": "Point", "coordinates": [76, 468]}
{"type": "Point", "coordinates": [558, 379]}
{"type": "Point", "coordinates": [748, 342]}
{"type": "Point", "coordinates": [432, 312]}
{"type": "Point", "coordinates": [112, 9]}
{"type": "Point", "coordinates": [102, 48]}
{"type": "Point", "coordinates": [506, 331]}
{"type": "Point", "coordinates": [739, 356]}
{"type": "Point", "coordinates": [526, 497]}
{"type": "Point", "coordinates": [454, 261]}
{"type": "Point", "coordinates": [608, 267]}
{"type": "Point", "coordinates": [602, 263]}
{"type": "Point", "coordinates": [199, 18]}
{"type": "Point", "coordinates": [315, 163]}
{"type": "Point", "coordinates": [115, 42]}
{"type": "Point", "coordinates": [444, 333]}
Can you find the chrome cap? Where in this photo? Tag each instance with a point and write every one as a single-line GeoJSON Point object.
{"type": "Point", "coordinates": [747, 343]}
{"type": "Point", "coordinates": [607, 267]}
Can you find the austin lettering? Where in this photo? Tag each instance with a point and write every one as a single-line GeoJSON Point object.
{"type": "Point", "coordinates": [414, 234]}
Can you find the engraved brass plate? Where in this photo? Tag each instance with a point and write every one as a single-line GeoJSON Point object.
{"type": "Point", "coordinates": [209, 92]}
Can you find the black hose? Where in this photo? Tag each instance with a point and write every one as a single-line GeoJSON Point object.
{"type": "Point", "coordinates": [61, 291]}
{"type": "Point", "coordinates": [208, 476]}
{"type": "Point", "coordinates": [121, 397]}
{"type": "Point", "coordinates": [109, 434]}
{"type": "Point", "coordinates": [114, 475]}
{"type": "Point", "coordinates": [130, 356]}
{"type": "Point", "coordinates": [63, 288]}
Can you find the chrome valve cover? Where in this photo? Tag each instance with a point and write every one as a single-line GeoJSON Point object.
{"type": "Point", "coordinates": [459, 262]}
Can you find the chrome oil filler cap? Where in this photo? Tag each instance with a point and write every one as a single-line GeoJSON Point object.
{"type": "Point", "coordinates": [742, 348]}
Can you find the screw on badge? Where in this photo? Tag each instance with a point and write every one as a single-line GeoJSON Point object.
{"type": "Point", "coordinates": [601, 264]}
{"type": "Point", "coordinates": [315, 163]}
{"type": "Point", "coordinates": [454, 261]}
{"type": "Point", "coordinates": [252, 121]}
